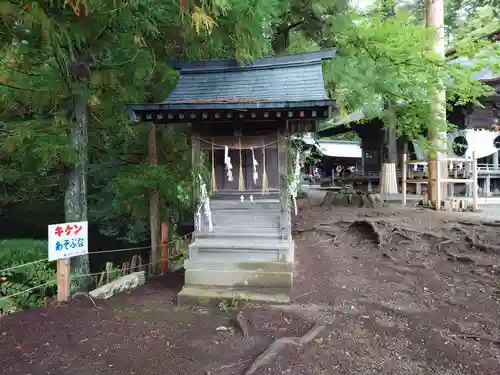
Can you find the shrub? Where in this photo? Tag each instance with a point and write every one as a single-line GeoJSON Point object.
{"type": "Point", "coordinates": [21, 251]}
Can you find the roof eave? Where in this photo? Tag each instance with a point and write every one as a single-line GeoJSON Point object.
{"type": "Point", "coordinates": [237, 106]}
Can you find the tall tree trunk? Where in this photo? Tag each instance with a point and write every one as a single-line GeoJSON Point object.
{"type": "Point", "coordinates": [75, 200]}
{"type": "Point", "coordinates": [388, 174]}
{"type": "Point", "coordinates": [437, 125]}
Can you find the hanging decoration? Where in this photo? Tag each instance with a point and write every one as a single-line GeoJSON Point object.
{"type": "Point", "coordinates": [255, 164]}
{"type": "Point", "coordinates": [214, 184]}
{"type": "Point", "coordinates": [241, 181]}
{"type": "Point", "coordinates": [205, 206]}
{"type": "Point", "coordinates": [294, 185]}
{"type": "Point", "coordinates": [229, 166]}
{"type": "Point", "coordinates": [265, 187]}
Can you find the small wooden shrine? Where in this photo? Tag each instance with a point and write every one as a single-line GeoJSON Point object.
{"type": "Point", "coordinates": [242, 119]}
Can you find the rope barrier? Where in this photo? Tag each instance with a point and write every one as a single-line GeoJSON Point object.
{"type": "Point", "coordinates": [73, 277]}
{"type": "Point", "coordinates": [100, 252]}
{"type": "Point", "coordinates": [23, 265]}
{"type": "Point", "coordinates": [53, 282]}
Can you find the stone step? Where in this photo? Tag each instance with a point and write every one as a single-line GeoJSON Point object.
{"type": "Point", "coordinates": [199, 295]}
{"type": "Point", "coordinates": [209, 264]}
{"type": "Point", "coordinates": [246, 221]}
{"type": "Point", "coordinates": [239, 278]}
{"type": "Point", "coordinates": [216, 244]}
{"type": "Point", "coordinates": [235, 195]}
{"type": "Point", "coordinates": [264, 204]}
{"type": "Point", "coordinates": [239, 230]}
{"type": "Point", "coordinates": [244, 212]}
{"type": "Point", "coordinates": [237, 257]}
{"type": "Point", "coordinates": [243, 235]}
{"type": "Point", "coordinates": [236, 250]}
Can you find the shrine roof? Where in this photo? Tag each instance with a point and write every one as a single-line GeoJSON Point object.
{"type": "Point", "coordinates": [288, 81]}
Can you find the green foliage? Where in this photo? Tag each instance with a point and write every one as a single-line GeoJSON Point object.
{"type": "Point", "coordinates": [383, 60]}
{"type": "Point", "coordinates": [58, 53]}
{"type": "Point", "coordinates": [17, 252]}
{"type": "Point", "coordinates": [55, 54]}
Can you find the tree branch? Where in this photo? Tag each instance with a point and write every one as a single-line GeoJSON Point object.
{"type": "Point", "coordinates": [20, 88]}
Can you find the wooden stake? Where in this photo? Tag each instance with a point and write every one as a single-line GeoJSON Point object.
{"type": "Point", "coordinates": [438, 182]}
{"type": "Point", "coordinates": [63, 283]}
{"type": "Point", "coordinates": [109, 268]}
{"type": "Point", "coordinates": [475, 203]}
{"type": "Point", "coordinates": [153, 205]}
{"type": "Point", "coordinates": [404, 167]}
{"type": "Point", "coordinates": [164, 247]}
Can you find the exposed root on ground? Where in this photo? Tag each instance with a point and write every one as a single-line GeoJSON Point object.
{"type": "Point", "coordinates": [278, 344]}
{"type": "Point", "coordinates": [240, 323]}
{"type": "Point", "coordinates": [368, 229]}
{"type": "Point", "coordinates": [382, 233]}
{"type": "Point", "coordinates": [480, 338]}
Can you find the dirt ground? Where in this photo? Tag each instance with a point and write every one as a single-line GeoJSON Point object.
{"type": "Point", "coordinates": [398, 291]}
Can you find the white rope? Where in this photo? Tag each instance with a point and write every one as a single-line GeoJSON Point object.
{"type": "Point", "coordinates": [236, 147]}
{"type": "Point", "coordinates": [52, 282]}
{"type": "Point", "coordinates": [23, 265]}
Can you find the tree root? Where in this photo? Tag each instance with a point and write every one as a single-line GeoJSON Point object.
{"type": "Point", "coordinates": [474, 243]}
{"type": "Point", "coordinates": [368, 227]}
{"type": "Point", "coordinates": [240, 323]}
{"type": "Point", "coordinates": [278, 345]}
{"type": "Point", "coordinates": [398, 232]}
{"type": "Point", "coordinates": [495, 224]}
{"type": "Point", "coordinates": [440, 244]}
{"type": "Point", "coordinates": [480, 338]}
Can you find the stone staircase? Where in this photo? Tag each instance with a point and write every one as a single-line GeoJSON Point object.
{"type": "Point", "coordinates": [247, 251]}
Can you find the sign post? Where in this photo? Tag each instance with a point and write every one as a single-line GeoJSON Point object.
{"type": "Point", "coordinates": [66, 241]}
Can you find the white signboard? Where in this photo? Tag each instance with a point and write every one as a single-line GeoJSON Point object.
{"type": "Point", "coordinates": [68, 240]}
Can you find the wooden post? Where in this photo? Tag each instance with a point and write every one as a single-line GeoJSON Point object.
{"type": "Point", "coordinates": [153, 205]}
{"type": "Point", "coordinates": [475, 205]}
{"type": "Point", "coordinates": [403, 178]}
{"type": "Point", "coordinates": [63, 282]}
{"type": "Point", "coordinates": [164, 247]}
{"type": "Point", "coordinates": [438, 181]}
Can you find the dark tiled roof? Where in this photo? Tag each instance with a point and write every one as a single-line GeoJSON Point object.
{"type": "Point", "coordinates": [279, 80]}
{"type": "Point", "coordinates": [486, 74]}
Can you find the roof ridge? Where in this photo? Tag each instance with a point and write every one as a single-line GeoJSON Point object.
{"type": "Point", "coordinates": [270, 62]}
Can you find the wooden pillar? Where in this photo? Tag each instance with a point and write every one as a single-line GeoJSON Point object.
{"type": "Point", "coordinates": [475, 200]}
{"type": "Point", "coordinates": [154, 201]}
{"type": "Point", "coordinates": [283, 170]}
{"type": "Point", "coordinates": [388, 176]}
